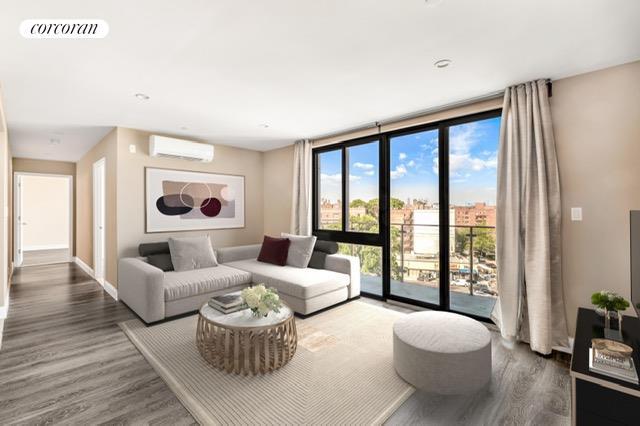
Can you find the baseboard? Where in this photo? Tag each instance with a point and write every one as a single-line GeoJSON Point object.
{"type": "Point", "coordinates": [568, 350]}
{"type": "Point", "coordinates": [108, 287]}
{"type": "Point", "coordinates": [4, 309]}
{"type": "Point", "coordinates": [111, 290]}
{"type": "Point", "coordinates": [86, 268]}
{"type": "Point", "coordinates": [46, 247]}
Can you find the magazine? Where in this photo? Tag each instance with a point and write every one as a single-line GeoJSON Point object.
{"type": "Point", "coordinates": [613, 366]}
{"type": "Point", "coordinates": [226, 301]}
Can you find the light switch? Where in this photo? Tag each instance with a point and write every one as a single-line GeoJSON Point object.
{"type": "Point", "coordinates": [132, 148]}
{"type": "Point", "coordinates": [576, 214]}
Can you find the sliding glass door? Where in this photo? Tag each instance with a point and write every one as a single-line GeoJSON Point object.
{"type": "Point", "coordinates": [414, 188]}
{"type": "Point", "coordinates": [417, 207]}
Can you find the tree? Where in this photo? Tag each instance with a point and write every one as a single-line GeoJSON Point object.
{"type": "Point", "coordinates": [358, 203]}
{"type": "Point", "coordinates": [396, 204]}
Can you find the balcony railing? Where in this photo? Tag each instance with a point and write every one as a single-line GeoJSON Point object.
{"type": "Point", "coordinates": [462, 246]}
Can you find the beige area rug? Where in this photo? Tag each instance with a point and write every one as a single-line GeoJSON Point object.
{"type": "Point", "coordinates": [342, 372]}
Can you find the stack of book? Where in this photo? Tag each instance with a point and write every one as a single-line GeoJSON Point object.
{"type": "Point", "coordinates": [613, 364]}
{"type": "Point", "coordinates": [228, 303]}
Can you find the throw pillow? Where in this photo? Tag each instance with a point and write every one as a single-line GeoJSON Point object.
{"type": "Point", "coordinates": [161, 261]}
{"type": "Point", "coordinates": [190, 253]}
{"type": "Point", "coordinates": [274, 250]}
{"type": "Point", "coordinates": [320, 252]}
{"type": "Point", "coordinates": [300, 250]}
{"type": "Point", "coordinates": [146, 249]}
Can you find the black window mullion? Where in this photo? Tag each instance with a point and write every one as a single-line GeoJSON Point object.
{"type": "Point", "coordinates": [345, 189]}
{"type": "Point", "coordinates": [384, 212]}
{"type": "Point", "coordinates": [443, 176]}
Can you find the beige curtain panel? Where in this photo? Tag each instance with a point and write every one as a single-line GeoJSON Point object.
{"type": "Point", "coordinates": [530, 303]}
{"type": "Point", "coordinates": [301, 203]}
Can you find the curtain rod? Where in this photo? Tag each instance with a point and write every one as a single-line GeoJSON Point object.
{"type": "Point", "coordinates": [398, 118]}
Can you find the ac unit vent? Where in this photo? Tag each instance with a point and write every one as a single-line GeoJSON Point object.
{"type": "Point", "coordinates": [162, 146]}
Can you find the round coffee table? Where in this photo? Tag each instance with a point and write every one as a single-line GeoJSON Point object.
{"type": "Point", "coordinates": [243, 344]}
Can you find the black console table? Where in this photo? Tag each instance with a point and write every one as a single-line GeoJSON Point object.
{"type": "Point", "coordinates": [598, 399]}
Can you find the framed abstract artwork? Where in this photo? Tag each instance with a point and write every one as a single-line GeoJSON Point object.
{"type": "Point", "coordinates": [178, 200]}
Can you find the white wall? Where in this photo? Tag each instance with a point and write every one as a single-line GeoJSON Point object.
{"type": "Point", "coordinates": [45, 210]}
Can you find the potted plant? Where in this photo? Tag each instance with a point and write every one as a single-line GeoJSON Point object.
{"type": "Point", "coordinates": [610, 302]}
{"type": "Point", "coordinates": [261, 300]}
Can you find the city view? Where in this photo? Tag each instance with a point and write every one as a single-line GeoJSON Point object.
{"type": "Point", "coordinates": [415, 213]}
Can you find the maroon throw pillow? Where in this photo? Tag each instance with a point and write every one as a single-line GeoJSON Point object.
{"type": "Point", "coordinates": [274, 250]}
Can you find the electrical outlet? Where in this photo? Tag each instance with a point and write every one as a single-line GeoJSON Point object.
{"type": "Point", "coordinates": [132, 148]}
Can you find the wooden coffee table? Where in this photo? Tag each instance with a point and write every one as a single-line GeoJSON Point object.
{"type": "Point", "coordinates": [243, 344]}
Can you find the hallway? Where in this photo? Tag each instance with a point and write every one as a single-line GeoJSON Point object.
{"type": "Point", "coordinates": [65, 360]}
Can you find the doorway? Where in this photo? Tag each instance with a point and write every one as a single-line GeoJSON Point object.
{"type": "Point", "coordinates": [99, 182]}
{"type": "Point", "coordinates": [43, 212]}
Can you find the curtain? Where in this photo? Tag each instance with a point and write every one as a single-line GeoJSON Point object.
{"type": "Point", "coordinates": [301, 202]}
{"type": "Point", "coordinates": [530, 303]}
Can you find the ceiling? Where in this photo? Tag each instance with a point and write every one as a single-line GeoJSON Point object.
{"type": "Point", "coordinates": [219, 71]}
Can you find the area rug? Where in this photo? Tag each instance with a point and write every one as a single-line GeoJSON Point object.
{"type": "Point", "coordinates": [342, 372]}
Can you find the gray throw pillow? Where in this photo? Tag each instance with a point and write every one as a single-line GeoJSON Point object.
{"type": "Point", "coordinates": [300, 249]}
{"type": "Point", "coordinates": [188, 253]}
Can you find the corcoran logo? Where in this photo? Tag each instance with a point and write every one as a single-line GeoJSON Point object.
{"type": "Point", "coordinates": [64, 28]}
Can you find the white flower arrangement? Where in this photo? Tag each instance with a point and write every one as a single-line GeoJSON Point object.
{"type": "Point", "coordinates": [261, 300]}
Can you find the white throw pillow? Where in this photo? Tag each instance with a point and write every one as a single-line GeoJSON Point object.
{"type": "Point", "coordinates": [300, 249]}
{"type": "Point", "coordinates": [188, 253]}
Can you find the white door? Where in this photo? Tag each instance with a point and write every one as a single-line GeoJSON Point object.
{"type": "Point", "coordinates": [99, 257]}
{"type": "Point", "coordinates": [17, 220]}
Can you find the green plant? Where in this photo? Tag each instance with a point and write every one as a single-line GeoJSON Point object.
{"type": "Point", "coordinates": [609, 300]}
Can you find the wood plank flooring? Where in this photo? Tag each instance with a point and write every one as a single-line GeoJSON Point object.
{"type": "Point", "coordinates": [64, 360]}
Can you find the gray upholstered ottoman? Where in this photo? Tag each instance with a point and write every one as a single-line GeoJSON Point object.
{"type": "Point", "coordinates": [442, 352]}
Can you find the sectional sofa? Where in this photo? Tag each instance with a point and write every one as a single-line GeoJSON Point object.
{"type": "Point", "coordinates": [155, 295]}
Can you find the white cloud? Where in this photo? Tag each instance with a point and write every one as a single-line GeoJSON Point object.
{"type": "Point", "coordinates": [331, 179]}
{"type": "Point", "coordinates": [363, 166]}
{"type": "Point", "coordinates": [402, 156]}
{"type": "Point", "coordinates": [399, 171]}
{"type": "Point", "coordinates": [461, 158]}
{"type": "Point", "coordinates": [411, 163]}
{"type": "Point", "coordinates": [353, 178]}
{"type": "Point", "coordinates": [370, 172]}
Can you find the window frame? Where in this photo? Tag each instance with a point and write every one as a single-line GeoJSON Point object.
{"type": "Point", "coordinates": [382, 238]}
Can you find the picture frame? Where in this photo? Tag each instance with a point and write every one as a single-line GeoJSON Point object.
{"type": "Point", "coordinates": [189, 200]}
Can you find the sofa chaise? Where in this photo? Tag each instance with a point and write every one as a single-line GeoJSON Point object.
{"type": "Point", "coordinates": [154, 294]}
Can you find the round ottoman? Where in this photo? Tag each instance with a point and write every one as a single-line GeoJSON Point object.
{"type": "Point", "coordinates": [442, 352]}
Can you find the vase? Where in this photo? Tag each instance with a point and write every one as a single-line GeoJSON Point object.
{"type": "Point", "coordinates": [612, 333]}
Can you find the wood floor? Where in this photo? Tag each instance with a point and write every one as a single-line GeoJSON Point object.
{"type": "Point", "coordinates": [64, 360]}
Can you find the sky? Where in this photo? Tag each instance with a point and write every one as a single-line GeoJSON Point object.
{"type": "Point", "coordinates": [473, 152]}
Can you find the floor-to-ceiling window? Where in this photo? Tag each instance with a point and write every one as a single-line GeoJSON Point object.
{"type": "Point", "coordinates": [417, 206]}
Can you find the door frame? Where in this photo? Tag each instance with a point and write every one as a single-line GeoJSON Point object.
{"type": "Point", "coordinates": [17, 212]}
{"type": "Point", "coordinates": [102, 162]}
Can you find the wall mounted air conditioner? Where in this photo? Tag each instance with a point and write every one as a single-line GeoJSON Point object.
{"type": "Point", "coordinates": [162, 146]}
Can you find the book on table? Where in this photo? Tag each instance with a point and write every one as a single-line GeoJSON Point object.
{"type": "Point", "coordinates": [622, 368]}
{"type": "Point", "coordinates": [226, 301]}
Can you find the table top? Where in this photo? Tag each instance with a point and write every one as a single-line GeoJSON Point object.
{"type": "Point", "coordinates": [244, 318]}
{"type": "Point", "coordinates": [590, 325]}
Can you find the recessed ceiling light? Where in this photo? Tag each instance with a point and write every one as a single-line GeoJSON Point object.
{"type": "Point", "coordinates": [141, 96]}
{"type": "Point", "coordinates": [433, 3]}
{"type": "Point", "coordinates": [54, 141]}
{"type": "Point", "coordinates": [184, 128]}
{"type": "Point", "coordinates": [265, 126]}
{"type": "Point", "coordinates": [442, 63]}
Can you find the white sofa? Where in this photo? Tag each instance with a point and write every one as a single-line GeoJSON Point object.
{"type": "Point", "coordinates": [155, 295]}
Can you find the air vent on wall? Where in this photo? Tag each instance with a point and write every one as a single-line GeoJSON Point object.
{"type": "Point", "coordinates": [162, 146]}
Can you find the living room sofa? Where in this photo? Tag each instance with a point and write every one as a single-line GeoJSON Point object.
{"type": "Point", "coordinates": [155, 295]}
